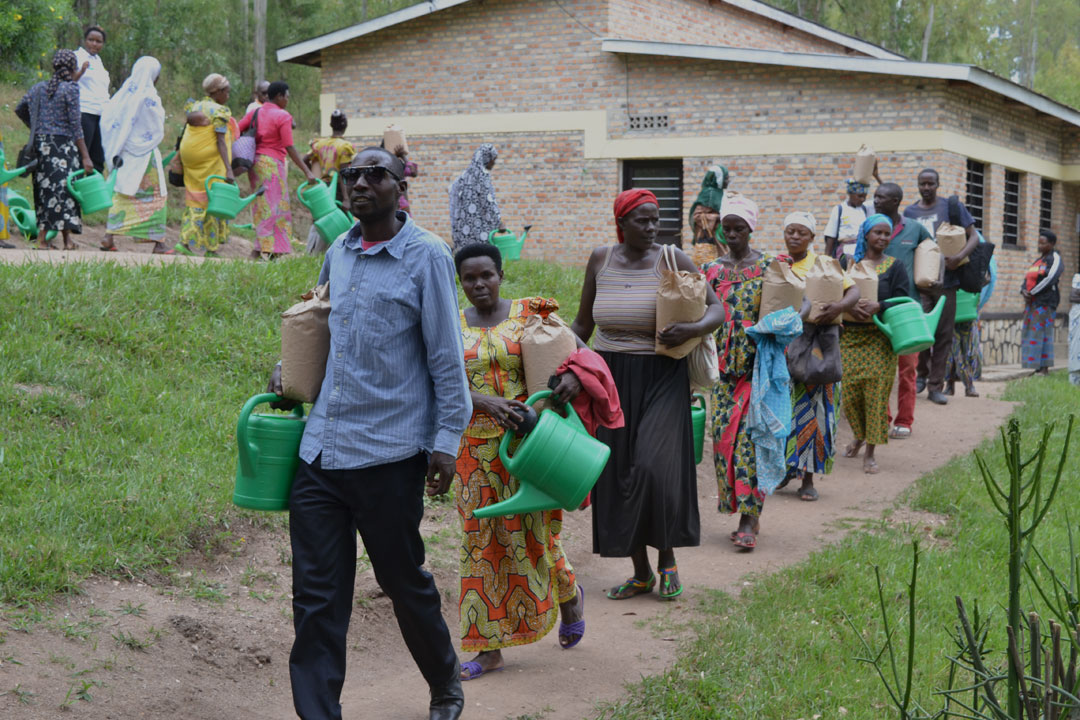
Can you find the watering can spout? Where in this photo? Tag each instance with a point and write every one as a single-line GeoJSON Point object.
{"type": "Point", "coordinates": [9, 175]}
{"type": "Point", "coordinates": [244, 202]}
{"type": "Point", "coordinates": [525, 500]}
{"type": "Point", "coordinates": [934, 315]}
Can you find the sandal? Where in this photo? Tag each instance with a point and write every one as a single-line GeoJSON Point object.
{"type": "Point", "coordinates": [475, 670]}
{"type": "Point", "coordinates": [870, 466]}
{"type": "Point", "coordinates": [899, 432]}
{"type": "Point", "coordinates": [746, 540]}
{"type": "Point", "coordinates": [808, 495]}
{"type": "Point", "coordinates": [853, 448]}
{"type": "Point", "coordinates": [756, 527]}
{"type": "Point", "coordinates": [575, 630]}
{"type": "Point", "coordinates": [632, 587]}
{"type": "Point", "coordinates": [107, 248]}
{"type": "Point", "coordinates": [666, 583]}
{"type": "Point", "coordinates": [182, 249]}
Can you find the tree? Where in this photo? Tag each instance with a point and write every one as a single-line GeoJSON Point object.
{"type": "Point", "coordinates": [28, 31]}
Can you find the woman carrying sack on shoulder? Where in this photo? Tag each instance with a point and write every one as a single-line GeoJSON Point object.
{"type": "Point", "coordinates": [708, 236]}
{"type": "Point", "coordinates": [647, 493]}
{"type": "Point", "coordinates": [812, 444]}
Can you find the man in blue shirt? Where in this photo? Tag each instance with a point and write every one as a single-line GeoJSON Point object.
{"type": "Point", "coordinates": [392, 407]}
{"type": "Point", "coordinates": [932, 211]}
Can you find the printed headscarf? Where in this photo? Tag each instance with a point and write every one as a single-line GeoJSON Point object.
{"type": "Point", "coordinates": [133, 121]}
{"type": "Point", "coordinates": [741, 207]}
{"type": "Point", "coordinates": [626, 201]}
{"type": "Point", "coordinates": [474, 211]}
{"type": "Point", "coordinates": [214, 82]}
{"type": "Point", "coordinates": [802, 218]}
{"type": "Point", "coordinates": [868, 224]}
{"type": "Point", "coordinates": [854, 186]}
{"type": "Point", "coordinates": [711, 196]}
{"type": "Point", "coordinates": [64, 65]}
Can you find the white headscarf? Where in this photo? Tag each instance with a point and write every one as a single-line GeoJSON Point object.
{"type": "Point", "coordinates": [133, 121]}
{"type": "Point", "coordinates": [801, 218]}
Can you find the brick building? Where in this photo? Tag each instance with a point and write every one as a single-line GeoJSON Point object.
{"type": "Point", "coordinates": [586, 97]}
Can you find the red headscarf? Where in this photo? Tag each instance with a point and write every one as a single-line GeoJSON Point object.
{"type": "Point", "coordinates": [627, 201]}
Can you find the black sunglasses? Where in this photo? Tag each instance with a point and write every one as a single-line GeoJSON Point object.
{"type": "Point", "coordinates": [371, 173]}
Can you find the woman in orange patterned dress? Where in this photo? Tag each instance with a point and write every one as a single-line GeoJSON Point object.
{"type": "Point", "coordinates": [515, 578]}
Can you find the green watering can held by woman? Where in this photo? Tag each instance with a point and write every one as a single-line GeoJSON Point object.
{"type": "Point", "coordinates": [268, 454]}
{"type": "Point", "coordinates": [508, 243]}
{"type": "Point", "coordinates": [331, 226]}
{"type": "Point", "coordinates": [225, 201]}
{"type": "Point", "coordinates": [318, 197]}
{"type": "Point", "coordinates": [908, 328]}
{"type": "Point", "coordinates": [697, 422]}
{"type": "Point", "coordinates": [91, 191]}
{"type": "Point", "coordinates": [26, 221]}
{"type": "Point", "coordinates": [556, 465]}
{"type": "Point", "coordinates": [9, 175]}
{"type": "Point", "coordinates": [967, 306]}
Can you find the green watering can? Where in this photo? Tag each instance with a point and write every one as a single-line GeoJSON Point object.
{"type": "Point", "coordinates": [556, 464]}
{"type": "Point", "coordinates": [15, 200]}
{"type": "Point", "coordinates": [225, 201]}
{"type": "Point", "coordinates": [331, 226]}
{"type": "Point", "coordinates": [908, 328]}
{"type": "Point", "coordinates": [91, 191]}
{"type": "Point", "coordinates": [269, 447]}
{"type": "Point", "coordinates": [967, 306]}
{"type": "Point", "coordinates": [8, 175]}
{"type": "Point", "coordinates": [697, 421]}
{"type": "Point", "coordinates": [508, 243]}
{"type": "Point", "coordinates": [319, 198]}
{"type": "Point", "coordinates": [26, 221]}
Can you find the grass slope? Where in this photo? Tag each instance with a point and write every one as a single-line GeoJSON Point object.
{"type": "Point", "coordinates": [782, 649]}
{"type": "Point", "coordinates": [121, 389]}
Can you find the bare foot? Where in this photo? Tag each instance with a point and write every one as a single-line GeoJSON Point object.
{"type": "Point", "coordinates": [870, 466]}
{"type": "Point", "coordinates": [853, 448]}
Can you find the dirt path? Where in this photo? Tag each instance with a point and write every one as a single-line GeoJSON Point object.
{"type": "Point", "coordinates": [128, 252]}
{"type": "Point", "coordinates": [217, 629]}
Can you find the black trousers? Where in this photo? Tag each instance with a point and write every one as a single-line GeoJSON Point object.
{"type": "Point", "coordinates": [326, 509]}
{"type": "Point", "coordinates": [932, 362]}
{"type": "Point", "coordinates": [91, 130]}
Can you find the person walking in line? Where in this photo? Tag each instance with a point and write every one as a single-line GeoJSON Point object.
{"type": "Point", "coordinates": [534, 582]}
{"type": "Point", "coordinates": [474, 211]}
{"type": "Point", "coordinates": [205, 150]}
{"type": "Point", "coordinates": [846, 217]}
{"type": "Point", "coordinates": [708, 237]}
{"type": "Point", "coordinates": [392, 409]}
{"type": "Point", "coordinates": [133, 125]}
{"type": "Point", "coordinates": [273, 142]}
{"type": "Point", "coordinates": [259, 97]}
{"type": "Point", "coordinates": [906, 236]}
{"type": "Point", "coordinates": [93, 80]}
{"type": "Point", "coordinates": [869, 362]}
{"type": "Point", "coordinates": [931, 211]}
{"type": "Point", "coordinates": [51, 111]}
{"type": "Point", "coordinates": [329, 155]}
{"type": "Point", "coordinates": [1041, 297]}
{"type": "Point", "coordinates": [647, 494]}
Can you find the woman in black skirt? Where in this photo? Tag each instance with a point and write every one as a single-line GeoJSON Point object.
{"type": "Point", "coordinates": [647, 494]}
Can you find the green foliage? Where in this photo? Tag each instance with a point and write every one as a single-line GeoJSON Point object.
{"type": "Point", "coordinates": [28, 30]}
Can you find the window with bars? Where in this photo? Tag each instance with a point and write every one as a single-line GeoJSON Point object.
{"type": "Point", "coordinates": [1046, 203]}
{"type": "Point", "coordinates": [1010, 221]}
{"type": "Point", "coordinates": [976, 191]}
{"type": "Point", "coordinates": [665, 179]}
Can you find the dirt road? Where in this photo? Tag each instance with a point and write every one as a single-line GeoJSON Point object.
{"type": "Point", "coordinates": [209, 639]}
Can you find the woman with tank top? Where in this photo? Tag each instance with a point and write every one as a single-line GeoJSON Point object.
{"type": "Point", "coordinates": [647, 494]}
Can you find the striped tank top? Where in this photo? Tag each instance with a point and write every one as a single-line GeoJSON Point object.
{"type": "Point", "coordinates": [624, 309]}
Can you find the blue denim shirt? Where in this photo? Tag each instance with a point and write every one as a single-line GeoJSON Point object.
{"type": "Point", "coordinates": [395, 377]}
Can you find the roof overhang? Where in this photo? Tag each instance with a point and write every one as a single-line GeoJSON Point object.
{"type": "Point", "coordinates": [904, 68]}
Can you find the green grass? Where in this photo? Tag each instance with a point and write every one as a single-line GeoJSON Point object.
{"type": "Point", "coordinates": [783, 649]}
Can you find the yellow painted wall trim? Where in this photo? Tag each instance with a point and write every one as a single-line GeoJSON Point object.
{"type": "Point", "coordinates": [597, 145]}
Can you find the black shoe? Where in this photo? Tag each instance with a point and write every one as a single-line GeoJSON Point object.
{"type": "Point", "coordinates": [447, 701]}
{"type": "Point", "coordinates": [920, 385]}
{"type": "Point", "coordinates": [937, 397]}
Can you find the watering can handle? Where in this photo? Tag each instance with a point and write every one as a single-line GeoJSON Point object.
{"type": "Point", "coordinates": [896, 301]}
{"type": "Point", "coordinates": [219, 177]}
{"type": "Point", "coordinates": [509, 435]}
{"type": "Point", "coordinates": [246, 460]}
{"type": "Point", "coordinates": [697, 396]}
{"type": "Point", "coordinates": [300, 193]}
{"type": "Point", "coordinates": [75, 175]}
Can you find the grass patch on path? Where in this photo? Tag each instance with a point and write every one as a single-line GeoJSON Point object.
{"type": "Point", "coordinates": [782, 648]}
{"type": "Point", "coordinates": [121, 387]}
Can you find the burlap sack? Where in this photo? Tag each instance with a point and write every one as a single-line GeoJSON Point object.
{"type": "Point", "coordinates": [865, 278]}
{"type": "Point", "coordinates": [951, 239]}
{"type": "Point", "coordinates": [864, 165]}
{"type": "Point", "coordinates": [305, 344]}
{"type": "Point", "coordinates": [394, 138]}
{"type": "Point", "coordinates": [780, 288]}
{"type": "Point", "coordinates": [680, 297]}
{"type": "Point", "coordinates": [929, 265]}
{"type": "Point", "coordinates": [824, 285]}
{"type": "Point", "coordinates": [545, 344]}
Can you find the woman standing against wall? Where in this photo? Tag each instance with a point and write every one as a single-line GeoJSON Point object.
{"type": "Point", "coordinates": [1040, 292]}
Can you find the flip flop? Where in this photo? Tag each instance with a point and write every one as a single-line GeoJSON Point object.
{"type": "Point", "coordinates": [575, 630]}
{"type": "Point", "coordinates": [111, 248]}
{"type": "Point", "coordinates": [809, 495]}
{"type": "Point", "coordinates": [746, 540]}
{"type": "Point", "coordinates": [475, 670]}
{"type": "Point", "coordinates": [665, 583]}
{"type": "Point", "coordinates": [182, 249]}
{"type": "Point", "coordinates": [871, 468]}
{"type": "Point", "coordinates": [900, 432]}
{"type": "Point", "coordinates": [633, 586]}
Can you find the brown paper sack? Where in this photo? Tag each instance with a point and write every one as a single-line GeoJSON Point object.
{"type": "Point", "coordinates": [951, 239]}
{"type": "Point", "coordinates": [824, 285]}
{"type": "Point", "coordinates": [865, 278]}
{"type": "Point", "coordinates": [929, 265]}
{"type": "Point", "coordinates": [680, 297]}
{"type": "Point", "coordinates": [545, 344]}
{"type": "Point", "coordinates": [864, 165]}
{"type": "Point", "coordinates": [305, 344]}
{"type": "Point", "coordinates": [780, 288]}
{"type": "Point", "coordinates": [394, 138]}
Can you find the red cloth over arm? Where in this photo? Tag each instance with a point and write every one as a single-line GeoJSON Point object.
{"type": "Point", "coordinates": [598, 403]}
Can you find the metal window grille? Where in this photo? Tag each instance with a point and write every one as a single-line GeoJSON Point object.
{"type": "Point", "coordinates": [980, 123]}
{"type": "Point", "coordinates": [1046, 203]}
{"type": "Point", "coordinates": [664, 178]}
{"type": "Point", "coordinates": [649, 122]}
{"type": "Point", "coordinates": [976, 190]}
{"type": "Point", "coordinates": [1010, 231]}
